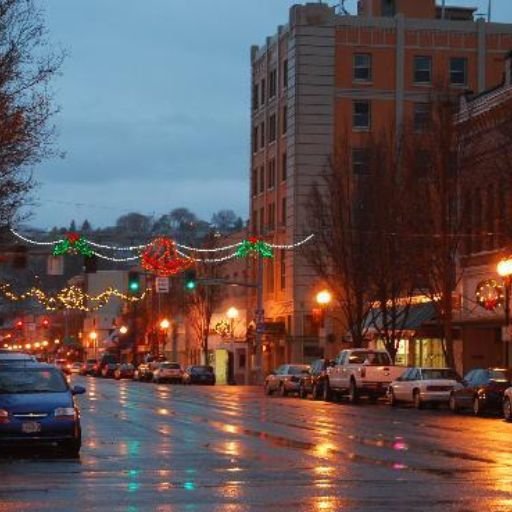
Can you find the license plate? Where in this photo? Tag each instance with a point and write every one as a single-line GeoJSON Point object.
{"type": "Point", "coordinates": [30, 427]}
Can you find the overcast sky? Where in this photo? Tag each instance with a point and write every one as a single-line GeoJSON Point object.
{"type": "Point", "coordinates": [154, 99]}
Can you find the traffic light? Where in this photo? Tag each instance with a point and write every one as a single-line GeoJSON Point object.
{"type": "Point", "coordinates": [45, 323]}
{"type": "Point", "coordinates": [19, 324]}
{"type": "Point", "coordinates": [190, 280]}
{"type": "Point", "coordinates": [133, 282]}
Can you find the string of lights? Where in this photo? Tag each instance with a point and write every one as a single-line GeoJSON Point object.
{"type": "Point", "coordinates": [72, 297]}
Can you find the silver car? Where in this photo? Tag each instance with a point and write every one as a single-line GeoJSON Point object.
{"type": "Point", "coordinates": [423, 385]}
{"type": "Point", "coordinates": [285, 379]}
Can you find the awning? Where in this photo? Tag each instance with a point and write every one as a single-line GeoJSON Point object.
{"type": "Point", "coordinates": [407, 319]}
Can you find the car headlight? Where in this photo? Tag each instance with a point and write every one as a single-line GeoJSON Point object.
{"type": "Point", "coordinates": [4, 416]}
{"type": "Point", "coordinates": [66, 413]}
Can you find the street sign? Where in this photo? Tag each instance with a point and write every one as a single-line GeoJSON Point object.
{"type": "Point", "coordinates": [162, 285]}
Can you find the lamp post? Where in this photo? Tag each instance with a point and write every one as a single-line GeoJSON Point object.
{"type": "Point", "coordinates": [164, 327]}
{"type": "Point", "coordinates": [232, 314]}
{"type": "Point", "coordinates": [323, 299]}
{"type": "Point", "coordinates": [505, 271]}
{"type": "Point", "coordinates": [93, 336]}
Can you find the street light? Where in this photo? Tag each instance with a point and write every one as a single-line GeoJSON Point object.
{"type": "Point", "coordinates": [505, 271]}
{"type": "Point", "coordinates": [164, 327]}
{"type": "Point", "coordinates": [123, 329]}
{"type": "Point", "coordinates": [323, 299]}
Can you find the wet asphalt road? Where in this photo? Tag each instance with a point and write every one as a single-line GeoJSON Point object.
{"type": "Point", "coordinates": [174, 448]}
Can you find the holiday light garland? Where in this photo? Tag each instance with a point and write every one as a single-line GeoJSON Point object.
{"type": "Point", "coordinates": [489, 294]}
{"type": "Point", "coordinates": [72, 297]}
{"type": "Point", "coordinates": [161, 258]}
{"type": "Point", "coordinates": [72, 244]}
{"type": "Point", "coordinates": [250, 247]}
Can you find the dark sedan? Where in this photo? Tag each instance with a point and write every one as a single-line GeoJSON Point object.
{"type": "Point", "coordinates": [313, 382]}
{"type": "Point", "coordinates": [199, 375]}
{"type": "Point", "coordinates": [37, 408]}
{"type": "Point", "coordinates": [481, 390]}
{"type": "Point", "coordinates": [124, 371]}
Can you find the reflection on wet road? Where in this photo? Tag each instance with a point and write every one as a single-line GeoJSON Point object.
{"type": "Point", "coordinates": [175, 448]}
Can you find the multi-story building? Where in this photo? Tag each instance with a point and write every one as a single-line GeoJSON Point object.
{"type": "Point", "coordinates": [327, 76]}
{"type": "Point", "coordinates": [486, 118]}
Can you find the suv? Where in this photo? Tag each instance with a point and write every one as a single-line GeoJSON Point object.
{"type": "Point", "coordinates": [313, 382]}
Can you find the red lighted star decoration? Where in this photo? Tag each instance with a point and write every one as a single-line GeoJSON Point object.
{"type": "Point", "coordinates": [161, 258]}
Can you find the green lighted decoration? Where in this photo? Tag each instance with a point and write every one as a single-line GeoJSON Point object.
{"type": "Point", "coordinates": [254, 246]}
{"type": "Point", "coordinates": [72, 244]}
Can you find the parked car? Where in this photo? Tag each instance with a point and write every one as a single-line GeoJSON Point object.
{"type": "Point", "coordinates": [63, 365]}
{"type": "Point", "coordinates": [507, 404]}
{"type": "Point", "coordinates": [361, 372]}
{"type": "Point", "coordinates": [37, 408]}
{"type": "Point", "coordinates": [313, 382]}
{"type": "Point", "coordinates": [10, 357]}
{"type": "Point", "coordinates": [481, 390]}
{"type": "Point", "coordinates": [75, 368]}
{"type": "Point", "coordinates": [106, 359]}
{"type": "Point", "coordinates": [143, 372]}
{"type": "Point", "coordinates": [89, 367]}
{"type": "Point", "coordinates": [124, 371]}
{"type": "Point", "coordinates": [285, 379]}
{"type": "Point", "coordinates": [422, 386]}
{"type": "Point", "coordinates": [199, 375]}
{"type": "Point", "coordinates": [108, 370]}
{"type": "Point", "coordinates": [168, 372]}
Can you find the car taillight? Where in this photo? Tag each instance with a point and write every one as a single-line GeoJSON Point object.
{"type": "Point", "coordinates": [4, 416]}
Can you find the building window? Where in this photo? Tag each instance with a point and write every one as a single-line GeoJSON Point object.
{"type": "Point", "coordinates": [422, 116]}
{"type": "Point", "coordinates": [361, 115]}
{"type": "Point", "coordinates": [272, 128]}
{"type": "Point", "coordinates": [360, 164]}
{"type": "Point", "coordinates": [262, 135]}
{"type": "Point", "coordinates": [262, 221]}
{"type": "Point", "coordinates": [263, 85]}
{"type": "Point", "coordinates": [270, 274]}
{"type": "Point", "coordinates": [255, 97]}
{"type": "Point", "coordinates": [388, 8]}
{"type": "Point", "coordinates": [283, 211]}
{"type": "Point", "coordinates": [254, 182]}
{"type": "Point", "coordinates": [458, 71]}
{"type": "Point", "coordinates": [285, 119]}
{"type": "Point", "coordinates": [271, 173]}
{"type": "Point", "coordinates": [262, 179]}
{"type": "Point", "coordinates": [285, 73]}
{"type": "Point", "coordinates": [255, 139]}
{"type": "Point", "coordinates": [271, 217]}
{"type": "Point", "coordinates": [284, 166]}
{"type": "Point", "coordinates": [283, 269]}
{"type": "Point", "coordinates": [255, 221]}
{"type": "Point", "coordinates": [362, 67]}
{"type": "Point", "coordinates": [422, 70]}
{"type": "Point", "coordinates": [272, 83]}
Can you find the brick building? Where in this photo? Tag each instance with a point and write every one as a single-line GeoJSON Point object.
{"type": "Point", "coordinates": [324, 76]}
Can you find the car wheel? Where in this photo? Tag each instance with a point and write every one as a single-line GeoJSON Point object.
{"type": "Point", "coordinates": [266, 389]}
{"type": "Point", "coordinates": [416, 398]}
{"type": "Point", "coordinates": [452, 404]}
{"type": "Point", "coordinates": [477, 406]}
{"type": "Point", "coordinates": [392, 399]}
{"type": "Point", "coordinates": [71, 449]}
{"type": "Point", "coordinates": [353, 396]}
{"type": "Point", "coordinates": [302, 391]}
{"type": "Point", "coordinates": [507, 409]}
{"type": "Point", "coordinates": [282, 390]}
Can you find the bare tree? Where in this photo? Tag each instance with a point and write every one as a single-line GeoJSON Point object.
{"type": "Point", "coordinates": [26, 69]}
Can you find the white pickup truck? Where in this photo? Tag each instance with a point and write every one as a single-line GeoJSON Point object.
{"type": "Point", "coordinates": [361, 372]}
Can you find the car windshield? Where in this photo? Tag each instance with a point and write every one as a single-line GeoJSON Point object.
{"type": "Point", "coordinates": [440, 373]}
{"type": "Point", "coordinates": [200, 369]}
{"type": "Point", "coordinates": [498, 375]}
{"type": "Point", "coordinates": [32, 380]}
{"type": "Point", "coordinates": [297, 369]}
{"type": "Point", "coordinates": [170, 366]}
{"type": "Point", "coordinates": [369, 358]}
